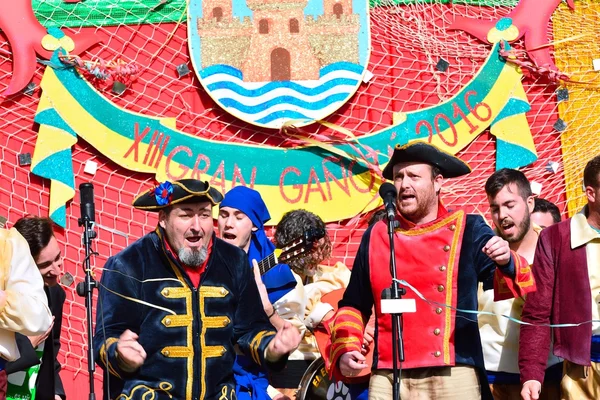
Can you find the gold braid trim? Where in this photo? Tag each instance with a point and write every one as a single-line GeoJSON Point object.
{"type": "Point", "coordinates": [150, 393]}
{"type": "Point", "coordinates": [256, 342]}
{"type": "Point", "coordinates": [104, 355]}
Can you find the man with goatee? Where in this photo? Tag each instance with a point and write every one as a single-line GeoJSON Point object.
{"type": "Point", "coordinates": [173, 305]}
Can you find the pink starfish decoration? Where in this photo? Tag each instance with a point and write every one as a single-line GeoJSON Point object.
{"type": "Point", "coordinates": [24, 34]}
{"type": "Point", "coordinates": [532, 18]}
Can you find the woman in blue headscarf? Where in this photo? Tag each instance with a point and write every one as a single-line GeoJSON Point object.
{"type": "Point", "coordinates": [242, 215]}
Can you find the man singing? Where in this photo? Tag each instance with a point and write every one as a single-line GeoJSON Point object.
{"type": "Point", "coordinates": [443, 255]}
{"type": "Point", "coordinates": [173, 304]}
{"type": "Point", "coordinates": [242, 215]}
{"type": "Point", "coordinates": [511, 204]}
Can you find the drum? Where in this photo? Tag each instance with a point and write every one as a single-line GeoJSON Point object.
{"type": "Point", "coordinates": [316, 385]}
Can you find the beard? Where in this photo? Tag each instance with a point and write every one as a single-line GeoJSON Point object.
{"type": "Point", "coordinates": [193, 258]}
{"type": "Point", "coordinates": [522, 230]}
{"type": "Point", "coordinates": [423, 205]}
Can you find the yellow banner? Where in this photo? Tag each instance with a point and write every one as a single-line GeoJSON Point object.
{"type": "Point", "coordinates": [335, 181]}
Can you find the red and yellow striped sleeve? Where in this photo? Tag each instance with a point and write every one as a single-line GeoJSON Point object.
{"type": "Point", "coordinates": [345, 334]}
{"type": "Point", "coordinates": [506, 287]}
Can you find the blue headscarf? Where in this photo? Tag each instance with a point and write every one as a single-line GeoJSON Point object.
{"type": "Point", "coordinates": [251, 379]}
{"type": "Point", "coordinates": [280, 279]}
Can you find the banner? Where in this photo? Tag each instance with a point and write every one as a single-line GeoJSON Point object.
{"type": "Point", "coordinates": [336, 181]}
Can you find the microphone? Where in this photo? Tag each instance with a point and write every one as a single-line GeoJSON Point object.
{"type": "Point", "coordinates": [388, 193]}
{"type": "Point", "coordinates": [86, 195]}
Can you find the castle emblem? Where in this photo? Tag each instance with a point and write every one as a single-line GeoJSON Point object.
{"type": "Point", "coordinates": [269, 62]}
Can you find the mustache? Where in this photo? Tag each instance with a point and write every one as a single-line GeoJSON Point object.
{"type": "Point", "coordinates": [507, 221]}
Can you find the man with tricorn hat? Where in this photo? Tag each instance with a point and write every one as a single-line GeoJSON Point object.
{"type": "Point", "coordinates": [443, 255]}
{"type": "Point", "coordinates": [173, 304]}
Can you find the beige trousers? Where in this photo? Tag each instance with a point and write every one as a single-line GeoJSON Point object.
{"type": "Point", "coordinates": [439, 383]}
{"type": "Point", "coordinates": [579, 382]}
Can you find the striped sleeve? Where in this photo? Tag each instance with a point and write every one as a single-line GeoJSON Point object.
{"type": "Point", "coordinates": [346, 334]}
{"type": "Point", "coordinates": [507, 287]}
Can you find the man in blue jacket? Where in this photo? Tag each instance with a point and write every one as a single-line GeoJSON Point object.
{"type": "Point", "coordinates": [173, 305]}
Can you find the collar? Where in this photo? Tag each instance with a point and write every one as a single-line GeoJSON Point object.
{"type": "Point", "coordinates": [581, 231]}
{"type": "Point", "coordinates": [407, 225]}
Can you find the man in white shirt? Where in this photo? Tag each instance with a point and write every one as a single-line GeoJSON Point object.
{"type": "Point", "coordinates": [511, 203]}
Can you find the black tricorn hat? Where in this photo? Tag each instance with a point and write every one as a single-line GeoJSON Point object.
{"type": "Point", "coordinates": [449, 165]}
{"type": "Point", "coordinates": [183, 191]}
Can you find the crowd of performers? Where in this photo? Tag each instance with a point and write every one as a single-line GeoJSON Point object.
{"type": "Point", "coordinates": [190, 312]}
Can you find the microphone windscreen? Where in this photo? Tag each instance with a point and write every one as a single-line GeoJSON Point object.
{"type": "Point", "coordinates": [387, 189]}
{"type": "Point", "coordinates": [86, 195]}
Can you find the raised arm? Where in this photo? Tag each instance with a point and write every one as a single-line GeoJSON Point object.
{"type": "Point", "coordinates": [252, 330]}
{"type": "Point", "coordinates": [497, 266]}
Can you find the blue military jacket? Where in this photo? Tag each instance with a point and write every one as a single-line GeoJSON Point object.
{"type": "Point", "coordinates": [188, 333]}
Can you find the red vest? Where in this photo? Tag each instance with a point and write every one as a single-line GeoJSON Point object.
{"type": "Point", "coordinates": [427, 257]}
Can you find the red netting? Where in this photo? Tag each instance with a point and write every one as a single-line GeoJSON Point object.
{"type": "Point", "coordinates": [407, 42]}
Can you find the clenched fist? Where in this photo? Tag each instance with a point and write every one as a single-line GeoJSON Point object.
{"type": "Point", "coordinates": [130, 354]}
{"type": "Point", "coordinates": [531, 390]}
{"type": "Point", "coordinates": [497, 249]}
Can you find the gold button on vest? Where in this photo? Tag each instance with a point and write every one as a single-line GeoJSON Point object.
{"type": "Point", "coordinates": [438, 310]}
{"type": "Point", "coordinates": [440, 288]}
{"type": "Point", "coordinates": [437, 354]}
{"type": "Point", "coordinates": [446, 248]}
{"type": "Point", "coordinates": [436, 331]}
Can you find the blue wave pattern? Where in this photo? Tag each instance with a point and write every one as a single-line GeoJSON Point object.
{"type": "Point", "coordinates": [273, 103]}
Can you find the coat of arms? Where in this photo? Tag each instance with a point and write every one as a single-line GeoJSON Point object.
{"type": "Point", "coordinates": [271, 62]}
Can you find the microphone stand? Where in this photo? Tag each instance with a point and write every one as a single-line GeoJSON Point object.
{"type": "Point", "coordinates": [395, 292]}
{"type": "Point", "coordinates": [85, 289]}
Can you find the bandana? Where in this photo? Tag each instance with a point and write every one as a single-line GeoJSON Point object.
{"type": "Point", "coordinates": [279, 280]}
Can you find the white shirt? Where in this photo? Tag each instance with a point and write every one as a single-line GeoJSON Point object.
{"type": "Point", "coordinates": [26, 308]}
{"type": "Point", "coordinates": [499, 335]}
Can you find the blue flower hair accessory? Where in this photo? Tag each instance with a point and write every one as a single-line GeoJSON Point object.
{"type": "Point", "coordinates": [163, 193]}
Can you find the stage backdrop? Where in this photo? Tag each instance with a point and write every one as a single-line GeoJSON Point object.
{"type": "Point", "coordinates": [417, 84]}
